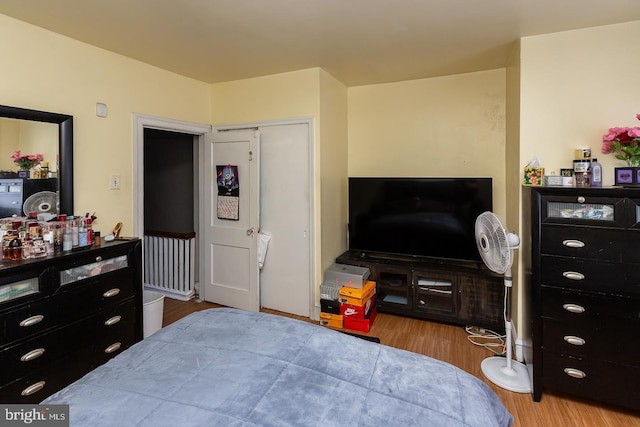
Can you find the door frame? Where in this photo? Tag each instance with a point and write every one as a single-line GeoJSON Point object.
{"type": "Point", "coordinates": [309, 121]}
{"type": "Point", "coordinates": [140, 123]}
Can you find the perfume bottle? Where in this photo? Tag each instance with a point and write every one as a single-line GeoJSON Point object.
{"type": "Point", "coordinates": [596, 173]}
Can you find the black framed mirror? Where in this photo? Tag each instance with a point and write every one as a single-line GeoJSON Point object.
{"type": "Point", "coordinates": [65, 148]}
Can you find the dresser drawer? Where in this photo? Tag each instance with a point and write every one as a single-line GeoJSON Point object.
{"type": "Point", "coordinates": [29, 319]}
{"type": "Point", "coordinates": [592, 378]}
{"type": "Point", "coordinates": [40, 384]}
{"type": "Point", "coordinates": [607, 339]}
{"type": "Point", "coordinates": [587, 242]}
{"type": "Point", "coordinates": [583, 209]}
{"type": "Point", "coordinates": [589, 275]}
{"type": "Point", "coordinates": [34, 354]}
{"type": "Point", "coordinates": [88, 296]}
{"type": "Point", "coordinates": [572, 306]}
{"type": "Point", "coordinates": [114, 325]}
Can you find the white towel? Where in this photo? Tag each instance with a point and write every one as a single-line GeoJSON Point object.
{"type": "Point", "coordinates": [263, 244]}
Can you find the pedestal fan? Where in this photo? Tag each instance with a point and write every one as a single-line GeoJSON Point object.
{"type": "Point", "coordinates": [496, 247]}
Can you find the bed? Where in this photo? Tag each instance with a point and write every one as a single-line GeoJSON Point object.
{"type": "Point", "coordinates": [228, 367]}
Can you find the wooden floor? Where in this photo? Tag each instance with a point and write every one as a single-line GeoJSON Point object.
{"type": "Point", "coordinates": [450, 343]}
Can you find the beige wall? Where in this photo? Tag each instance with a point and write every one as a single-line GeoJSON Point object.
{"type": "Point", "coordinates": [438, 127]}
{"type": "Point", "coordinates": [333, 168]}
{"type": "Point", "coordinates": [575, 86]}
{"type": "Point", "coordinates": [513, 183]}
{"type": "Point", "coordinates": [46, 71]}
{"type": "Point", "coordinates": [305, 93]}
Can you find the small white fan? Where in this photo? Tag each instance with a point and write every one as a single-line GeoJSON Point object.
{"type": "Point", "coordinates": [496, 246]}
{"type": "Point", "coordinates": [41, 202]}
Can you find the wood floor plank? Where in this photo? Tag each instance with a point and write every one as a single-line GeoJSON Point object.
{"type": "Point", "coordinates": [450, 344]}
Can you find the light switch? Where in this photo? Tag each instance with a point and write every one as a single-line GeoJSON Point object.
{"type": "Point", "coordinates": [101, 109]}
{"type": "Point", "coordinates": [115, 182]}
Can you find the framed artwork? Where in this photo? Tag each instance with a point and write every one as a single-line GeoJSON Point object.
{"type": "Point", "coordinates": [228, 192]}
{"type": "Point", "coordinates": [628, 176]}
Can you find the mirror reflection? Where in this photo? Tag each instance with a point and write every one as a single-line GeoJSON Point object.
{"type": "Point", "coordinates": [36, 162]}
{"type": "Point", "coordinates": [30, 138]}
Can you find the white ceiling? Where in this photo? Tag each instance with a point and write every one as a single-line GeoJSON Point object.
{"type": "Point", "coordinates": [358, 41]}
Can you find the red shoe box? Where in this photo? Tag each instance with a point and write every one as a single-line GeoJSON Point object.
{"type": "Point", "coordinates": [362, 325]}
{"type": "Point", "coordinates": [359, 312]}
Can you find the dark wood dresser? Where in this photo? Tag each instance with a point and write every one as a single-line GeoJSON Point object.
{"type": "Point", "coordinates": [63, 315]}
{"type": "Point", "coordinates": [585, 305]}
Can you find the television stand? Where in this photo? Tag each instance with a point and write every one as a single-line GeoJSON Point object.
{"type": "Point", "coordinates": [434, 289]}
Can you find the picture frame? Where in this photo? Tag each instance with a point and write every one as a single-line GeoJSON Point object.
{"type": "Point", "coordinates": [627, 176]}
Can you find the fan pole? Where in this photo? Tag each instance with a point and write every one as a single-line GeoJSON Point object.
{"type": "Point", "coordinates": [508, 326]}
{"type": "Point", "coordinates": [504, 372]}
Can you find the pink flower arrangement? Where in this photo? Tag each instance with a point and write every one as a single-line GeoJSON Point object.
{"type": "Point", "coordinates": [624, 143]}
{"type": "Point", "coordinates": [26, 161]}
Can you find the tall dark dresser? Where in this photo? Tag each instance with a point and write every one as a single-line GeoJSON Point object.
{"type": "Point", "coordinates": [65, 314]}
{"type": "Point", "coordinates": [585, 292]}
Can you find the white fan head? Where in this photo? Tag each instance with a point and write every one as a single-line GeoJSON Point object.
{"type": "Point", "coordinates": [495, 243]}
{"type": "Point", "coordinates": [41, 202]}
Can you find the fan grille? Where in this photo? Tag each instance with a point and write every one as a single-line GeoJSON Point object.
{"type": "Point", "coordinates": [493, 242]}
{"type": "Point", "coordinates": [41, 202]}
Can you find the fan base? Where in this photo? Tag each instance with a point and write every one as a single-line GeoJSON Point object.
{"type": "Point", "coordinates": [515, 379]}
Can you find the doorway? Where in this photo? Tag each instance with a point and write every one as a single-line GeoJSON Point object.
{"type": "Point", "coordinates": [277, 261]}
{"type": "Point", "coordinates": [170, 213]}
{"type": "Point", "coordinates": [286, 214]}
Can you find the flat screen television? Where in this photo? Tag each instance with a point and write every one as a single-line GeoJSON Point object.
{"type": "Point", "coordinates": [417, 217]}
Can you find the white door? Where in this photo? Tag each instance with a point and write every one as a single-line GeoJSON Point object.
{"type": "Point", "coordinates": [285, 212]}
{"type": "Point", "coordinates": [231, 226]}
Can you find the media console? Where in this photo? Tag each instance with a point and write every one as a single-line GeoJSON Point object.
{"type": "Point", "coordinates": [463, 293]}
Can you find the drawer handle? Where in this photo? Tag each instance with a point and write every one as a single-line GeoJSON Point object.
{"type": "Point", "coordinates": [574, 308]}
{"type": "Point", "coordinates": [111, 293]}
{"type": "Point", "coordinates": [573, 275]}
{"type": "Point", "coordinates": [581, 199]}
{"type": "Point", "coordinates": [113, 320]}
{"type": "Point", "coordinates": [573, 340]}
{"type": "Point", "coordinates": [98, 258]}
{"type": "Point", "coordinates": [575, 373]}
{"type": "Point", "coordinates": [33, 354]}
{"type": "Point", "coordinates": [33, 388]}
{"type": "Point", "coordinates": [30, 321]}
{"type": "Point", "coordinates": [572, 243]}
{"type": "Point", "coordinates": [113, 347]}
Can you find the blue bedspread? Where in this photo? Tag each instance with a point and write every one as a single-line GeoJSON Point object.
{"type": "Point", "coordinates": [226, 367]}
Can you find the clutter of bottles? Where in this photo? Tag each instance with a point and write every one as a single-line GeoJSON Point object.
{"type": "Point", "coordinates": [26, 237]}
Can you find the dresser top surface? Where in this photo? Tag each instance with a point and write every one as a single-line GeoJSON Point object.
{"type": "Point", "coordinates": [7, 266]}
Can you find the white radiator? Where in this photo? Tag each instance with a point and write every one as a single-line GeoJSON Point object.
{"type": "Point", "coordinates": [169, 265]}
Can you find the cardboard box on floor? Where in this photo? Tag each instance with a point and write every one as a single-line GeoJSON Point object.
{"type": "Point", "coordinates": [357, 297]}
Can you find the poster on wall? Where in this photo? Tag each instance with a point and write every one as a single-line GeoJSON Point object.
{"type": "Point", "coordinates": [228, 192]}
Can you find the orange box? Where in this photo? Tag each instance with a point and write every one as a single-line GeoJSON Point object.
{"type": "Point", "coordinates": [357, 312]}
{"type": "Point", "coordinates": [334, 321]}
{"type": "Point", "coordinates": [362, 325]}
{"type": "Point", "coordinates": [357, 297]}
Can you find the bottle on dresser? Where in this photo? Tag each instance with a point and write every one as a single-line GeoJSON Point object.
{"type": "Point", "coordinates": [596, 173]}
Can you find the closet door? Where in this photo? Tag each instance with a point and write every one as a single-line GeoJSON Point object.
{"type": "Point", "coordinates": [285, 213]}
